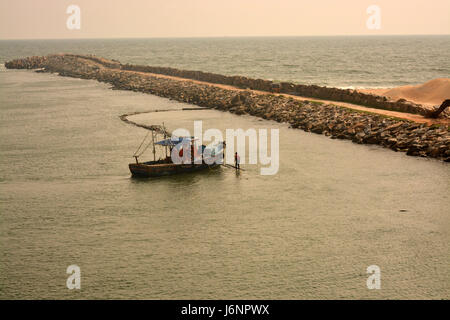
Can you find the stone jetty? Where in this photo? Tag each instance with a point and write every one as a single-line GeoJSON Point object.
{"type": "Point", "coordinates": [335, 121]}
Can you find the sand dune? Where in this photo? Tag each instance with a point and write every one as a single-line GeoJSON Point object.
{"type": "Point", "coordinates": [431, 93]}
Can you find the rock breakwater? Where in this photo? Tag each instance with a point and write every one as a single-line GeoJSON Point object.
{"type": "Point", "coordinates": [334, 121]}
{"type": "Point", "coordinates": [311, 91]}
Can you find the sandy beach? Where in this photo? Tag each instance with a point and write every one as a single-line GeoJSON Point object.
{"type": "Point", "coordinates": [430, 94]}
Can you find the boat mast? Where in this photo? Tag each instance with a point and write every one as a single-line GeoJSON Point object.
{"type": "Point", "coordinates": [192, 151]}
{"type": "Point", "coordinates": [165, 137]}
{"type": "Point", "coordinates": [153, 142]}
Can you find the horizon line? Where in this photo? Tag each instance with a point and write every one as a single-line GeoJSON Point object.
{"type": "Point", "coordinates": [241, 36]}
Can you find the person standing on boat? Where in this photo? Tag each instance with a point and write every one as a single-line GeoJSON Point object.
{"type": "Point", "coordinates": [237, 160]}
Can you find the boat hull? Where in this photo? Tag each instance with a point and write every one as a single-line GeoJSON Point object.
{"type": "Point", "coordinates": [166, 169]}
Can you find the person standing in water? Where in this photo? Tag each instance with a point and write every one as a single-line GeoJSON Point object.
{"type": "Point", "coordinates": [237, 160]}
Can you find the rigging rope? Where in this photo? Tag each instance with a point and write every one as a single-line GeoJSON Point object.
{"type": "Point", "coordinates": [146, 147]}
{"type": "Point", "coordinates": [150, 129]}
{"type": "Point", "coordinates": [135, 153]}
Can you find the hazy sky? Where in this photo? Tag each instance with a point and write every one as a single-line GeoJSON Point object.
{"type": "Point", "coordinates": [29, 19]}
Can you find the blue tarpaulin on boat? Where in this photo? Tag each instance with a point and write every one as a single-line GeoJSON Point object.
{"type": "Point", "coordinates": [174, 141]}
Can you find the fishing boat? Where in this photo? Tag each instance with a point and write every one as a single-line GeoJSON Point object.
{"type": "Point", "coordinates": [189, 156]}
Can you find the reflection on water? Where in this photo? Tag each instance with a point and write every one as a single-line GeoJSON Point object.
{"type": "Point", "coordinates": [333, 209]}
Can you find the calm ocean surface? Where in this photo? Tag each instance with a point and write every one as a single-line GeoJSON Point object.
{"type": "Point", "coordinates": [333, 209]}
{"type": "Point", "coordinates": [378, 61]}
